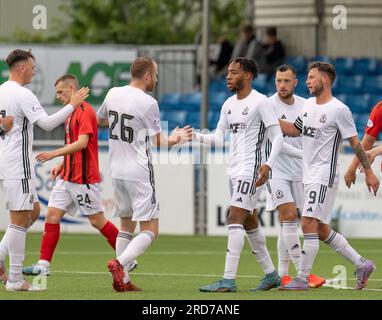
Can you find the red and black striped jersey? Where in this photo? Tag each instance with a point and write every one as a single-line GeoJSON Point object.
{"type": "Point", "coordinates": [82, 166]}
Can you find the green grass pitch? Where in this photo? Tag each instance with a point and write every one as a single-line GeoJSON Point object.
{"type": "Point", "coordinates": [175, 266]}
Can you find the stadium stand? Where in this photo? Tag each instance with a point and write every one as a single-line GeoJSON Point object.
{"type": "Point", "coordinates": [358, 85]}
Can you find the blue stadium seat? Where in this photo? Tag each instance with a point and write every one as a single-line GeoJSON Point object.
{"type": "Point", "coordinates": [362, 121]}
{"type": "Point", "coordinates": [217, 99]}
{"type": "Point", "coordinates": [374, 99]}
{"type": "Point", "coordinates": [218, 85]}
{"type": "Point", "coordinates": [344, 65]}
{"type": "Point", "coordinates": [372, 85]}
{"type": "Point", "coordinates": [175, 118]}
{"type": "Point", "coordinates": [298, 62]}
{"type": "Point", "coordinates": [350, 84]}
{"type": "Point", "coordinates": [260, 83]}
{"type": "Point", "coordinates": [301, 89]}
{"type": "Point", "coordinates": [193, 119]}
{"type": "Point", "coordinates": [365, 66]}
{"type": "Point", "coordinates": [103, 134]}
{"type": "Point", "coordinates": [190, 101]}
{"type": "Point", "coordinates": [358, 103]}
{"type": "Point", "coordinates": [321, 58]}
{"type": "Point", "coordinates": [169, 101]}
{"type": "Point", "coordinates": [213, 118]}
{"type": "Point", "coordinates": [342, 97]}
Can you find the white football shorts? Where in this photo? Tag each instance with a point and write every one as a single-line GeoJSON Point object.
{"type": "Point", "coordinates": [136, 199]}
{"type": "Point", "coordinates": [20, 194]}
{"type": "Point", "coordinates": [69, 196]}
{"type": "Point", "coordinates": [280, 191]}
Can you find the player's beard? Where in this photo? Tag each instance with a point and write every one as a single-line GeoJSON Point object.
{"type": "Point", "coordinates": [317, 90]}
{"type": "Point", "coordinates": [287, 95]}
{"type": "Point", "coordinates": [239, 85]}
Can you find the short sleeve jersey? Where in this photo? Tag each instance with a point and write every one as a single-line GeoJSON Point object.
{"type": "Point", "coordinates": [16, 146]}
{"type": "Point", "coordinates": [82, 166]}
{"type": "Point", "coordinates": [246, 120]}
{"type": "Point", "coordinates": [323, 129]}
{"type": "Point", "coordinates": [287, 167]}
{"type": "Point", "coordinates": [133, 117]}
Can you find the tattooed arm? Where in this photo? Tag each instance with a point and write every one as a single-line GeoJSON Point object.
{"type": "Point", "coordinates": [371, 180]}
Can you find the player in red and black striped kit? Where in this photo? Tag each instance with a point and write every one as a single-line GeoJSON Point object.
{"type": "Point", "coordinates": [78, 185]}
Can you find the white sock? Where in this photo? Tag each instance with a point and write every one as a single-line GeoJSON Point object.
{"type": "Point", "coordinates": [308, 254]}
{"type": "Point", "coordinates": [338, 242]}
{"type": "Point", "coordinates": [282, 254]}
{"type": "Point", "coordinates": [123, 240]}
{"type": "Point", "coordinates": [235, 246]}
{"type": "Point", "coordinates": [258, 246]}
{"type": "Point", "coordinates": [16, 245]}
{"type": "Point", "coordinates": [4, 247]}
{"type": "Point", "coordinates": [136, 247]}
{"type": "Point", "coordinates": [44, 263]}
{"type": "Point", "coordinates": [292, 241]}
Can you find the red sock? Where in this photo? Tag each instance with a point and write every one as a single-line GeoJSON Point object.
{"type": "Point", "coordinates": [49, 241]}
{"type": "Point", "coordinates": [110, 232]}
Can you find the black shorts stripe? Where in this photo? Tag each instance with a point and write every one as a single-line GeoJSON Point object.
{"type": "Point", "coordinates": [25, 151]}
{"type": "Point", "coordinates": [333, 163]}
{"type": "Point", "coordinates": [258, 158]}
{"type": "Point", "coordinates": [322, 195]}
{"type": "Point", "coordinates": [151, 169]}
{"type": "Point", "coordinates": [25, 186]}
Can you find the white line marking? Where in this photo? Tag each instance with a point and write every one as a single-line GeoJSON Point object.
{"type": "Point", "coordinates": [202, 275]}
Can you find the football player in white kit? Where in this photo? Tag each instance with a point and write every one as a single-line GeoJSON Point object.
{"type": "Point", "coordinates": [285, 190]}
{"type": "Point", "coordinates": [324, 123]}
{"type": "Point", "coordinates": [133, 118]}
{"type": "Point", "coordinates": [247, 116]}
{"type": "Point", "coordinates": [16, 164]}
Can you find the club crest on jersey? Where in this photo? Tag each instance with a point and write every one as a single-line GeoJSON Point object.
{"type": "Point", "coordinates": [370, 123]}
{"type": "Point", "coordinates": [279, 194]}
{"type": "Point", "coordinates": [245, 111]}
{"type": "Point", "coordinates": [237, 127]}
{"type": "Point", "coordinates": [323, 118]}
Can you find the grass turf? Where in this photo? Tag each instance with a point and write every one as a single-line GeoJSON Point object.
{"type": "Point", "coordinates": [174, 268]}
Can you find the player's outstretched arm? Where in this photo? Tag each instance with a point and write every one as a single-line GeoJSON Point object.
{"type": "Point", "coordinates": [177, 136]}
{"type": "Point", "coordinates": [48, 123]}
{"type": "Point", "coordinates": [372, 181]}
{"type": "Point", "coordinates": [6, 124]}
{"type": "Point", "coordinates": [78, 145]}
{"type": "Point", "coordinates": [289, 128]}
{"type": "Point", "coordinates": [350, 174]}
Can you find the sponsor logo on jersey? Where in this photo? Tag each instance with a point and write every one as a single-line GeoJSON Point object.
{"type": "Point", "coordinates": [323, 118]}
{"type": "Point", "coordinates": [237, 127]}
{"type": "Point", "coordinates": [245, 111]}
{"type": "Point", "coordinates": [279, 194]}
{"type": "Point", "coordinates": [312, 132]}
{"type": "Point", "coordinates": [370, 123]}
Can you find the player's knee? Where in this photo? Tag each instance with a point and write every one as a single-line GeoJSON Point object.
{"type": "Point", "coordinates": [52, 217]}
{"type": "Point", "coordinates": [289, 215]}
